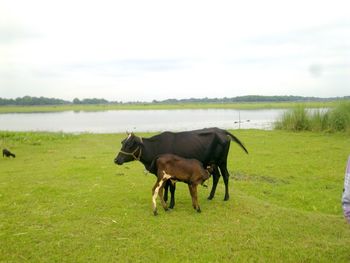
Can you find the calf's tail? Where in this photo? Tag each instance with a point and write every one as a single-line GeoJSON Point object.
{"type": "Point", "coordinates": [234, 138]}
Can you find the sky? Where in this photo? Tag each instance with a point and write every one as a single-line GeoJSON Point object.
{"type": "Point", "coordinates": [153, 50]}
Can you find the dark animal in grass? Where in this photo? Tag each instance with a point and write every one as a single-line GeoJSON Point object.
{"type": "Point", "coordinates": [209, 146]}
{"type": "Point", "coordinates": [7, 153]}
{"type": "Point", "coordinates": [174, 168]}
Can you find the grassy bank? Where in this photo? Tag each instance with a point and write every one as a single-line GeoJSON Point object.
{"type": "Point", "coordinates": [63, 200]}
{"type": "Point", "coordinates": [242, 106]}
{"type": "Point", "coordinates": [336, 119]}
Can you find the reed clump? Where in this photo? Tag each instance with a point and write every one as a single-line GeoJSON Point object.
{"type": "Point", "coordinates": [300, 118]}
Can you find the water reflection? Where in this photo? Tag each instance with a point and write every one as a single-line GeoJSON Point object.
{"type": "Point", "coordinates": [138, 120]}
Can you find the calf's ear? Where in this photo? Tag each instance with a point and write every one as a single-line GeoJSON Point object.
{"type": "Point", "coordinates": [210, 169]}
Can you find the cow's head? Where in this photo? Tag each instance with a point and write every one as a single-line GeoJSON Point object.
{"type": "Point", "coordinates": [131, 149]}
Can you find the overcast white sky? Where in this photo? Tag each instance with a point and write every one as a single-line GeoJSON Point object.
{"type": "Point", "coordinates": [145, 50]}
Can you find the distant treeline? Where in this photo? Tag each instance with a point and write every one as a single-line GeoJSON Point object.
{"type": "Point", "coordinates": [25, 101]}
{"type": "Point", "coordinates": [28, 101]}
{"type": "Point", "coordinates": [249, 98]}
{"type": "Point", "coordinates": [90, 101]}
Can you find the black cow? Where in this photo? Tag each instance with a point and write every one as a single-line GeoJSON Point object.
{"type": "Point", "coordinates": [210, 146]}
{"type": "Point", "coordinates": [7, 153]}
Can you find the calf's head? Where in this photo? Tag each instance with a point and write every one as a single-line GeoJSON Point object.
{"type": "Point", "coordinates": [210, 169]}
{"type": "Point", "coordinates": [131, 150]}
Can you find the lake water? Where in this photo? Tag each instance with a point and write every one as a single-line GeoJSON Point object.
{"type": "Point", "coordinates": [138, 120]}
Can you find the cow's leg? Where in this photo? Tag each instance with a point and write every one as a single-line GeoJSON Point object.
{"type": "Point", "coordinates": [225, 176]}
{"type": "Point", "coordinates": [166, 188]}
{"type": "Point", "coordinates": [172, 194]}
{"type": "Point", "coordinates": [216, 176]}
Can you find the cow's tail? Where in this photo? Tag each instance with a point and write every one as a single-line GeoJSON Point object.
{"type": "Point", "coordinates": [234, 138]}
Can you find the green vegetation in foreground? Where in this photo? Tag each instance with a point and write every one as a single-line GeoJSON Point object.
{"type": "Point", "coordinates": [336, 119]}
{"type": "Point", "coordinates": [102, 107]}
{"type": "Point", "coordinates": [63, 200]}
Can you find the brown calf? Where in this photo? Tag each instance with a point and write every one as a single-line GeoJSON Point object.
{"type": "Point", "coordinates": [175, 168]}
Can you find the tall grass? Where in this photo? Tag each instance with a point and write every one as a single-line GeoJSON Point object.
{"type": "Point", "coordinates": [296, 119]}
{"type": "Point", "coordinates": [300, 118]}
{"type": "Point", "coordinates": [339, 118]}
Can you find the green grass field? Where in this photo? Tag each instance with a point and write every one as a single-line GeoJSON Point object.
{"type": "Point", "coordinates": [102, 107]}
{"type": "Point", "coordinates": [64, 200]}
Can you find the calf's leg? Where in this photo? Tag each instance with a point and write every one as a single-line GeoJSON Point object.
{"type": "Point", "coordinates": [158, 190]}
{"type": "Point", "coordinates": [155, 190]}
{"type": "Point", "coordinates": [193, 192]}
{"type": "Point", "coordinates": [161, 197]}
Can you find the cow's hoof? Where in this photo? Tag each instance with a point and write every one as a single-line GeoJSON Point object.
{"type": "Point", "coordinates": [210, 197]}
{"type": "Point", "coordinates": [199, 210]}
{"type": "Point", "coordinates": [226, 198]}
{"type": "Point", "coordinates": [155, 213]}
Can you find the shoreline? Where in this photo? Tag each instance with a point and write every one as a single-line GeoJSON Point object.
{"type": "Point", "coordinates": [107, 107]}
